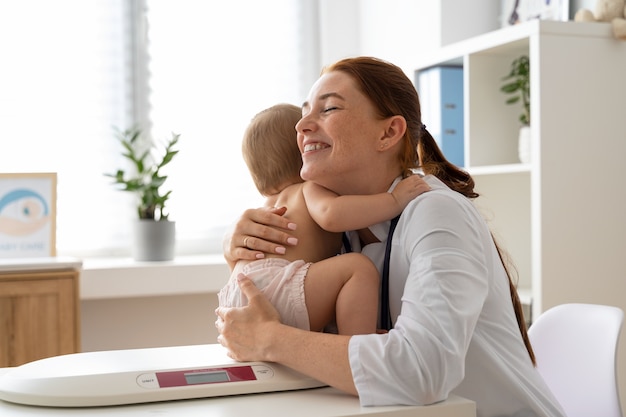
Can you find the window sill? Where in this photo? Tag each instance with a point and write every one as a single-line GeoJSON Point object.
{"type": "Point", "coordinates": [110, 278]}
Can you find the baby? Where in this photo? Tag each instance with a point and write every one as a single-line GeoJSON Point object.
{"type": "Point", "coordinates": [311, 285]}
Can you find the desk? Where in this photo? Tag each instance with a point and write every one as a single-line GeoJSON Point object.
{"type": "Point", "coordinates": [316, 402]}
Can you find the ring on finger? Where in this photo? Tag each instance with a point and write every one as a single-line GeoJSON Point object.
{"type": "Point", "coordinates": [245, 241]}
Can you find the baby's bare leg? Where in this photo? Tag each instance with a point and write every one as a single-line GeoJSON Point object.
{"type": "Point", "coordinates": [344, 288]}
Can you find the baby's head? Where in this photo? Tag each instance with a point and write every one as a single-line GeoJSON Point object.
{"type": "Point", "coordinates": [270, 148]}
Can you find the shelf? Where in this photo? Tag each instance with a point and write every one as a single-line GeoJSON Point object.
{"type": "Point", "coordinates": [499, 169]}
{"type": "Point", "coordinates": [111, 278]}
{"type": "Point", "coordinates": [512, 39]}
{"type": "Point", "coordinates": [564, 244]}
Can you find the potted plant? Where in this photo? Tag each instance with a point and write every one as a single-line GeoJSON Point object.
{"type": "Point", "coordinates": [154, 233]}
{"type": "Point", "coordinates": [517, 85]}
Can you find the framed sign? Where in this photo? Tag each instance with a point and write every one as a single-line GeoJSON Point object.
{"type": "Point", "coordinates": [28, 215]}
{"type": "Point", "coordinates": [518, 11]}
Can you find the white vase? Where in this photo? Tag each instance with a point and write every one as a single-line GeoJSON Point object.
{"type": "Point", "coordinates": [154, 240]}
{"type": "Point", "coordinates": [523, 145]}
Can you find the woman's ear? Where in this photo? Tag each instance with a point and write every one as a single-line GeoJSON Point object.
{"type": "Point", "coordinates": [394, 132]}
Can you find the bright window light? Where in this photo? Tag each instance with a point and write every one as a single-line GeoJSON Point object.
{"type": "Point", "coordinates": [69, 75]}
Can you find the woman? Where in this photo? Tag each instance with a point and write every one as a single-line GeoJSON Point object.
{"type": "Point", "coordinates": [456, 321]}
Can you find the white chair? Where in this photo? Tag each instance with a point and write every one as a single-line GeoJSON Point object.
{"type": "Point", "coordinates": [576, 348]}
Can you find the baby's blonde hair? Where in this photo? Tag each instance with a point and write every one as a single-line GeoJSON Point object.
{"type": "Point", "coordinates": [270, 148]}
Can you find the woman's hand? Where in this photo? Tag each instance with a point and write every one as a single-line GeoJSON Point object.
{"type": "Point", "coordinates": [255, 333]}
{"type": "Point", "coordinates": [257, 232]}
{"type": "Point", "coordinates": [246, 331]}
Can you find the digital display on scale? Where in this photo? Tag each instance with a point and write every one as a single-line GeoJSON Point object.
{"type": "Point", "coordinates": [186, 377]}
{"type": "Point", "coordinates": [206, 377]}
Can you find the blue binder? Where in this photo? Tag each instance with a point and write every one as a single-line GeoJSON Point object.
{"type": "Point", "coordinates": [441, 95]}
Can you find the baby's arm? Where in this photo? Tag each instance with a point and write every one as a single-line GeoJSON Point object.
{"type": "Point", "coordinates": [337, 213]}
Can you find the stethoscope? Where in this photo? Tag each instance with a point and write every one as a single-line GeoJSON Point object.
{"type": "Point", "coordinates": [385, 312]}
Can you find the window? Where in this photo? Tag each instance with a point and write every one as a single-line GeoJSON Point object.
{"type": "Point", "coordinates": [213, 65]}
{"type": "Point", "coordinates": [73, 69]}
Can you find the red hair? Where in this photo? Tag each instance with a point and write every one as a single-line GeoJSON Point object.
{"type": "Point", "coordinates": [392, 93]}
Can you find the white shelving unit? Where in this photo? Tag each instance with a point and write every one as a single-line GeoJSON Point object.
{"type": "Point", "coordinates": [561, 217]}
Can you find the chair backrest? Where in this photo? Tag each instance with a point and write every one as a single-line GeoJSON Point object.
{"type": "Point", "coordinates": [576, 348]}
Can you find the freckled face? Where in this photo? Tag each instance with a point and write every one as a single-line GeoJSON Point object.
{"type": "Point", "coordinates": [338, 135]}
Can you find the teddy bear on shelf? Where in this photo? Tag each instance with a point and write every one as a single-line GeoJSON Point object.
{"type": "Point", "coordinates": [613, 11]}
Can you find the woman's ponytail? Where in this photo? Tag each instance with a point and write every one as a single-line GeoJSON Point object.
{"type": "Point", "coordinates": [432, 162]}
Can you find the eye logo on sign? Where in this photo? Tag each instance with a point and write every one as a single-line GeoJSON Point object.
{"type": "Point", "coordinates": [23, 212]}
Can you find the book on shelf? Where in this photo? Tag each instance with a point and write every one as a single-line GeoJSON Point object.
{"type": "Point", "coordinates": [441, 96]}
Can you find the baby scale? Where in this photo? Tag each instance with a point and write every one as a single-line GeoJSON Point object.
{"type": "Point", "coordinates": [118, 377]}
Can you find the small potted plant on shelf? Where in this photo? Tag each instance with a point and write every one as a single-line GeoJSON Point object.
{"type": "Point", "coordinates": [154, 234]}
{"type": "Point", "coordinates": [517, 86]}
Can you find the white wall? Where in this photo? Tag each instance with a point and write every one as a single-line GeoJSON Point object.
{"type": "Point", "coordinates": [400, 31]}
{"type": "Point", "coordinates": [139, 322]}
{"type": "Point", "coordinates": [126, 304]}
{"type": "Point", "coordinates": [339, 30]}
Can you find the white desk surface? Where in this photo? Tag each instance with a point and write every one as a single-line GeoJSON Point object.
{"type": "Point", "coordinates": [316, 402]}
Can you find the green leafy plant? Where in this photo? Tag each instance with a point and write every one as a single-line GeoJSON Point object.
{"type": "Point", "coordinates": [517, 84]}
{"type": "Point", "coordinates": [147, 158]}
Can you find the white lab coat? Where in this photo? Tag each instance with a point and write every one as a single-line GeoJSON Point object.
{"type": "Point", "coordinates": [454, 325]}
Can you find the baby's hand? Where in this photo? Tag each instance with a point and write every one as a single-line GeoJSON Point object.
{"type": "Point", "coordinates": [408, 189]}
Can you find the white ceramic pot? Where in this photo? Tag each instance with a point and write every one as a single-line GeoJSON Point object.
{"type": "Point", "coordinates": [524, 145]}
{"type": "Point", "coordinates": [154, 240]}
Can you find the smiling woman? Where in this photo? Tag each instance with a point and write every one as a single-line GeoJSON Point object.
{"type": "Point", "coordinates": [194, 67]}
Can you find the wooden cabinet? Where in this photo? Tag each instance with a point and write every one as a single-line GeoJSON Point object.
{"type": "Point", "coordinates": [39, 313]}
